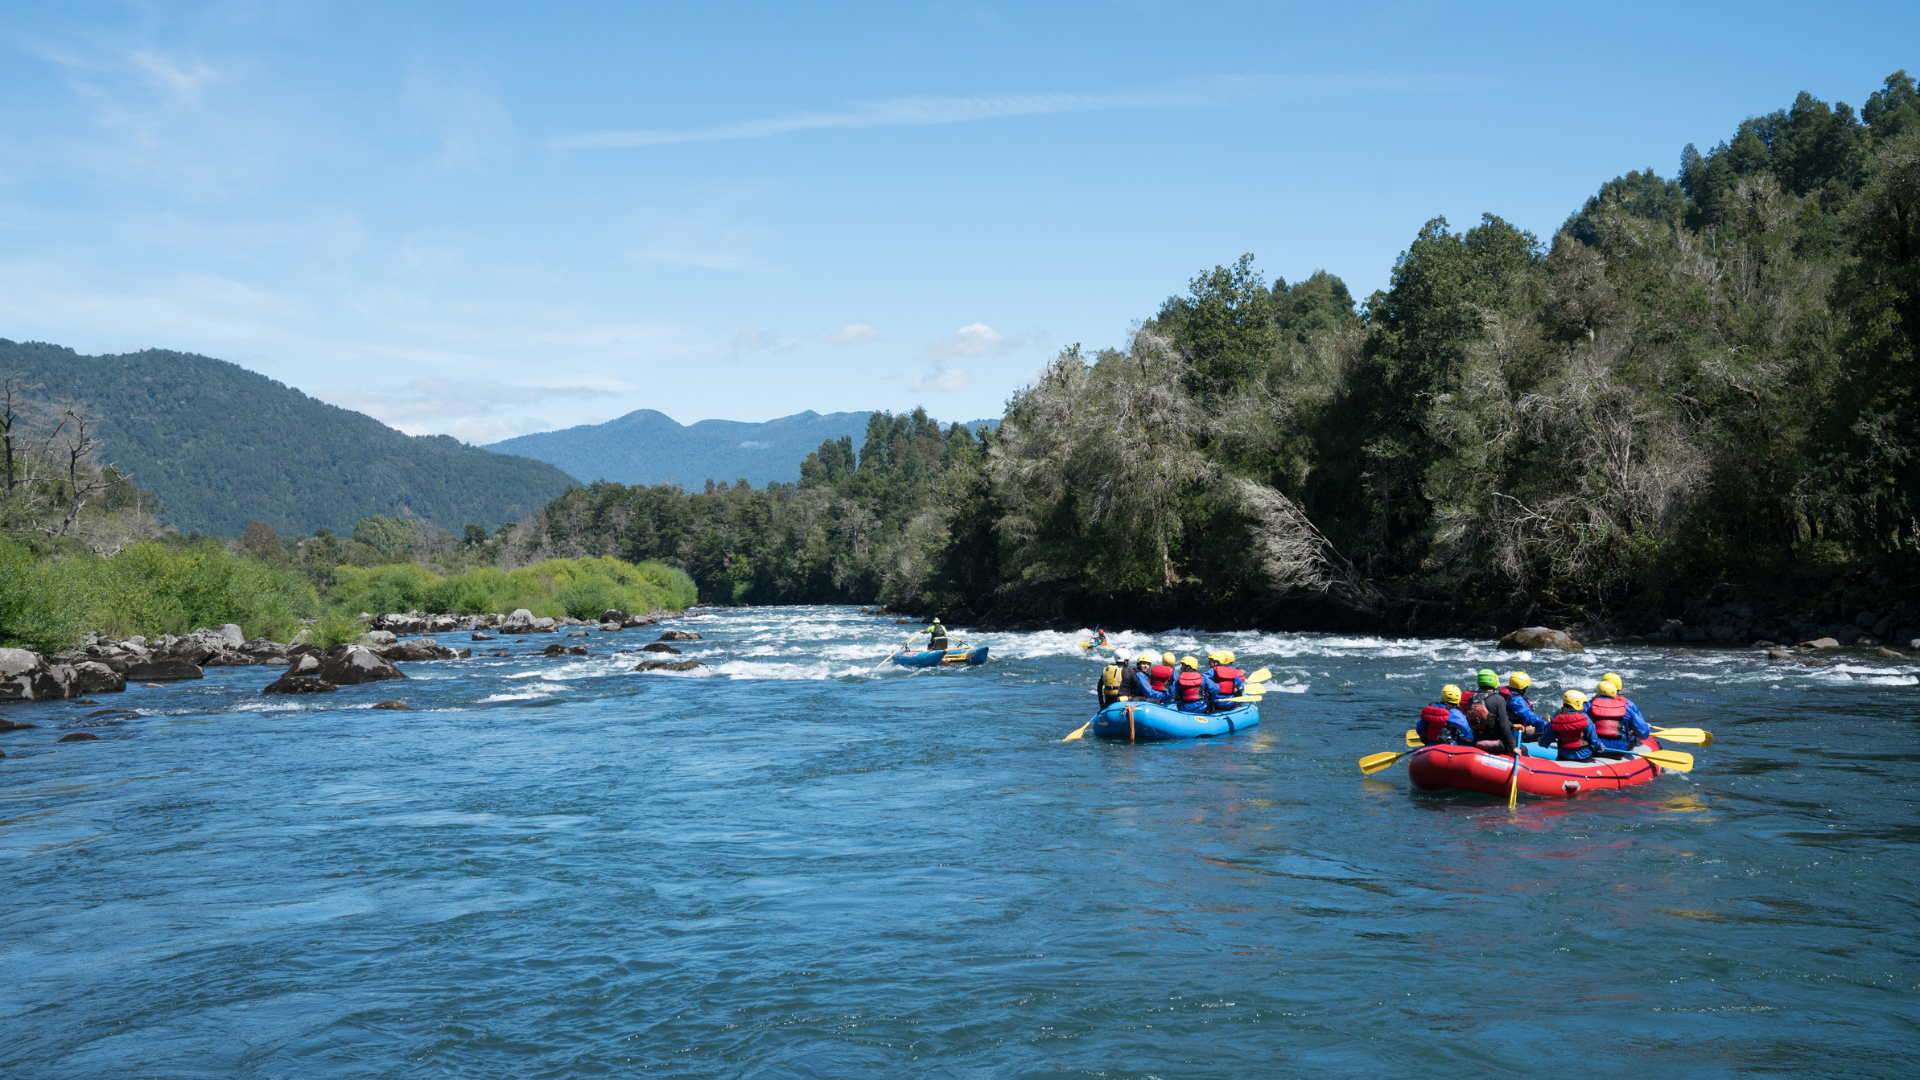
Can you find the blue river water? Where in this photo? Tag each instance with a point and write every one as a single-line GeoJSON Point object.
{"type": "Point", "coordinates": [787, 865]}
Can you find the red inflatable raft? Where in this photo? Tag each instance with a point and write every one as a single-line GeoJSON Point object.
{"type": "Point", "coordinates": [1435, 768]}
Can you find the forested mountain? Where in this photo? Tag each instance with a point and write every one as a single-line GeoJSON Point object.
{"type": "Point", "coordinates": [648, 447]}
{"type": "Point", "coordinates": [1699, 389]}
{"type": "Point", "coordinates": [223, 446]}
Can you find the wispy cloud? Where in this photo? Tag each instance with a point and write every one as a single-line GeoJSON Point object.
{"type": "Point", "coordinates": [854, 334]}
{"type": "Point", "coordinates": [972, 340]}
{"type": "Point", "coordinates": [1205, 92]}
{"type": "Point", "coordinates": [463, 408]}
{"type": "Point", "coordinates": [749, 341]}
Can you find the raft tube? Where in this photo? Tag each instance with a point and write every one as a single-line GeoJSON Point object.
{"type": "Point", "coordinates": [937, 658]}
{"type": "Point", "coordinates": [1435, 768]}
{"type": "Point", "coordinates": [1136, 720]}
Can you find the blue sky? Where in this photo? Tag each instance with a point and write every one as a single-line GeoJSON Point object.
{"type": "Point", "coordinates": [494, 219]}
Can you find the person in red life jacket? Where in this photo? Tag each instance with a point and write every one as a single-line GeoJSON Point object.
{"type": "Point", "coordinates": [1145, 685]}
{"type": "Point", "coordinates": [1223, 680]}
{"type": "Point", "coordinates": [1519, 709]}
{"type": "Point", "coordinates": [1571, 730]}
{"type": "Point", "coordinates": [1442, 721]}
{"type": "Point", "coordinates": [1161, 674]}
{"type": "Point", "coordinates": [1487, 711]}
{"type": "Point", "coordinates": [1636, 721]}
{"type": "Point", "coordinates": [1609, 712]}
{"type": "Point", "coordinates": [1190, 687]}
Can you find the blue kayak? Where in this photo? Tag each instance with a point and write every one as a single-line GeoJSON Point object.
{"type": "Point", "coordinates": [1135, 720]}
{"type": "Point", "coordinates": [938, 658]}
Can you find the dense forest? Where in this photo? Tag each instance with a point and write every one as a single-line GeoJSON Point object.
{"type": "Point", "coordinates": [223, 446]}
{"type": "Point", "coordinates": [1701, 387]}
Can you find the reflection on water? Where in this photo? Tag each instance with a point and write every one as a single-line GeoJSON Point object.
{"type": "Point", "coordinates": [787, 863]}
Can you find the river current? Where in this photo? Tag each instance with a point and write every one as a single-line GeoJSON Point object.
{"type": "Point", "coordinates": [787, 864]}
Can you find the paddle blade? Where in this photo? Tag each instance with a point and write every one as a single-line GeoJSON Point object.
{"type": "Point", "coordinates": [1077, 734]}
{"type": "Point", "coordinates": [1668, 759]}
{"type": "Point", "coordinates": [1513, 793]}
{"type": "Point", "coordinates": [1373, 763]}
{"type": "Point", "coordinates": [1694, 735]}
{"type": "Point", "coordinates": [1413, 739]}
{"type": "Point", "coordinates": [1260, 676]}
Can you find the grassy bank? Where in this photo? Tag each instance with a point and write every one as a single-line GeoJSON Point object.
{"type": "Point", "coordinates": [47, 602]}
{"type": "Point", "coordinates": [582, 588]}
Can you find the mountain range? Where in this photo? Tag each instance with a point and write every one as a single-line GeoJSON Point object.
{"type": "Point", "coordinates": [648, 447]}
{"type": "Point", "coordinates": [223, 446]}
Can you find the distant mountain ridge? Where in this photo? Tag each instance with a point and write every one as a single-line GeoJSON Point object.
{"type": "Point", "coordinates": [223, 446]}
{"type": "Point", "coordinates": [649, 447]}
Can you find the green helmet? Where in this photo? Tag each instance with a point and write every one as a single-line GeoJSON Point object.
{"type": "Point", "coordinates": [1488, 679]}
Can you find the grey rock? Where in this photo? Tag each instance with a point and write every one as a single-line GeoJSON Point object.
{"type": "Point", "coordinates": [579, 633]}
{"type": "Point", "coordinates": [628, 624]}
{"type": "Point", "coordinates": [1891, 654]}
{"type": "Point", "coordinates": [299, 684]}
{"type": "Point", "coordinates": [349, 665]}
{"type": "Point", "coordinates": [1816, 663]}
{"type": "Point", "coordinates": [667, 665]}
{"type": "Point", "coordinates": [1780, 654]}
{"type": "Point", "coordinates": [153, 686]}
{"type": "Point", "coordinates": [396, 706]}
{"type": "Point", "coordinates": [687, 635]}
{"type": "Point", "coordinates": [613, 615]}
{"type": "Point", "coordinates": [164, 671]}
{"type": "Point", "coordinates": [93, 677]}
{"type": "Point", "coordinates": [15, 725]}
{"type": "Point", "coordinates": [1820, 643]}
{"type": "Point", "coordinates": [1531, 637]}
{"type": "Point", "coordinates": [25, 675]}
{"type": "Point", "coordinates": [655, 646]}
{"type": "Point", "coordinates": [379, 638]}
{"type": "Point", "coordinates": [557, 649]}
{"type": "Point", "coordinates": [80, 736]}
{"type": "Point", "coordinates": [520, 622]}
{"type": "Point", "coordinates": [609, 627]}
{"type": "Point", "coordinates": [482, 636]}
{"type": "Point", "coordinates": [417, 649]}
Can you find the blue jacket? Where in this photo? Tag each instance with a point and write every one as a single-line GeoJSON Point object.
{"type": "Point", "coordinates": [1141, 688]}
{"type": "Point", "coordinates": [1521, 710]}
{"type": "Point", "coordinates": [1584, 753]}
{"type": "Point", "coordinates": [1634, 720]}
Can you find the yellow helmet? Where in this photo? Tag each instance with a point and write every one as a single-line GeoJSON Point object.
{"type": "Point", "coordinates": [1574, 699]}
{"type": "Point", "coordinates": [1450, 694]}
{"type": "Point", "coordinates": [1189, 662]}
{"type": "Point", "coordinates": [1614, 679]}
{"type": "Point", "coordinates": [1519, 681]}
{"type": "Point", "coordinates": [1169, 659]}
{"type": "Point", "coordinates": [1606, 689]}
{"type": "Point", "coordinates": [1215, 658]}
{"type": "Point", "coordinates": [1226, 656]}
{"type": "Point", "coordinates": [1145, 658]}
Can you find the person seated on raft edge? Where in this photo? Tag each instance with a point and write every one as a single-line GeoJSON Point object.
{"type": "Point", "coordinates": [1190, 689]}
{"type": "Point", "coordinates": [1223, 680]}
{"type": "Point", "coordinates": [1113, 681]}
{"type": "Point", "coordinates": [1160, 676]}
{"type": "Point", "coordinates": [1141, 684]}
{"type": "Point", "coordinates": [1486, 710]}
{"type": "Point", "coordinates": [1519, 708]}
{"type": "Point", "coordinates": [1443, 722]}
{"type": "Point", "coordinates": [1571, 730]}
{"type": "Point", "coordinates": [1633, 729]}
{"type": "Point", "coordinates": [938, 633]}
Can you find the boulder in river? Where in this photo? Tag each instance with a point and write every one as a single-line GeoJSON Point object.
{"type": "Point", "coordinates": [299, 684]}
{"type": "Point", "coordinates": [1820, 643]}
{"type": "Point", "coordinates": [613, 615]}
{"type": "Point", "coordinates": [679, 635]}
{"type": "Point", "coordinates": [417, 649]}
{"type": "Point", "coordinates": [557, 649]}
{"type": "Point", "coordinates": [25, 675]}
{"type": "Point", "coordinates": [80, 736]}
{"type": "Point", "coordinates": [93, 677]}
{"type": "Point", "coordinates": [481, 635]}
{"type": "Point", "coordinates": [580, 633]}
{"type": "Point", "coordinates": [164, 671]}
{"type": "Point", "coordinates": [1541, 637]}
{"type": "Point", "coordinates": [1890, 654]}
{"type": "Point", "coordinates": [667, 665]}
{"type": "Point", "coordinates": [396, 706]}
{"type": "Point", "coordinates": [348, 665]}
{"type": "Point", "coordinates": [1780, 654]}
{"type": "Point", "coordinates": [655, 646]}
{"type": "Point", "coordinates": [15, 725]}
{"type": "Point", "coordinates": [379, 638]}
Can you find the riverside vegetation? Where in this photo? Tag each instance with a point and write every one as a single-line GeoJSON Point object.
{"type": "Point", "coordinates": [1697, 398]}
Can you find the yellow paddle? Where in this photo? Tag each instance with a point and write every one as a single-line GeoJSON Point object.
{"type": "Point", "coordinates": [1413, 739]}
{"type": "Point", "coordinates": [1373, 763]}
{"type": "Point", "coordinates": [1077, 734]}
{"type": "Point", "coordinates": [1666, 759]}
{"type": "Point", "coordinates": [1513, 793]}
{"type": "Point", "coordinates": [1694, 735]}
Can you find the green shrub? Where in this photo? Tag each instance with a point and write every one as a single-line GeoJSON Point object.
{"type": "Point", "coordinates": [380, 589]}
{"type": "Point", "coordinates": [582, 588]}
{"type": "Point", "coordinates": [334, 628]}
{"type": "Point", "coordinates": [41, 608]}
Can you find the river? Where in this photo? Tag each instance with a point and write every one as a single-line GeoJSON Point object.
{"type": "Point", "coordinates": [783, 865]}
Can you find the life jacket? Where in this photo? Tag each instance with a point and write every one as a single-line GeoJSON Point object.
{"type": "Point", "coordinates": [1160, 675]}
{"type": "Point", "coordinates": [1228, 679]}
{"type": "Point", "coordinates": [1433, 725]}
{"type": "Point", "coordinates": [1189, 687]}
{"type": "Point", "coordinates": [1570, 729]}
{"type": "Point", "coordinates": [1110, 678]}
{"type": "Point", "coordinates": [1609, 717]}
{"type": "Point", "coordinates": [1479, 713]}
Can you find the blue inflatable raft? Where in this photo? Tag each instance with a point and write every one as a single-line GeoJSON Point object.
{"type": "Point", "coordinates": [1135, 720]}
{"type": "Point", "coordinates": [938, 658]}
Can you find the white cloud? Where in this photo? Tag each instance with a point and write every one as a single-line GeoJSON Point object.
{"type": "Point", "coordinates": [462, 408]}
{"type": "Point", "coordinates": [916, 111]}
{"type": "Point", "coordinates": [762, 341]}
{"type": "Point", "coordinates": [854, 334]}
{"type": "Point", "coordinates": [939, 377]}
{"type": "Point", "coordinates": [974, 339]}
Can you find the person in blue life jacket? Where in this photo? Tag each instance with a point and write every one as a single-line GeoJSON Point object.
{"type": "Point", "coordinates": [1639, 729]}
{"type": "Point", "coordinates": [1143, 684]}
{"type": "Point", "coordinates": [1571, 730]}
{"type": "Point", "coordinates": [1190, 687]}
{"type": "Point", "coordinates": [1519, 709]}
{"type": "Point", "coordinates": [1609, 712]}
{"type": "Point", "coordinates": [1443, 722]}
{"type": "Point", "coordinates": [1222, 680]}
